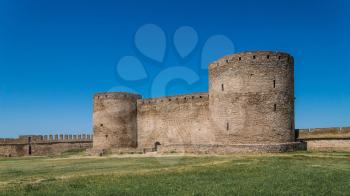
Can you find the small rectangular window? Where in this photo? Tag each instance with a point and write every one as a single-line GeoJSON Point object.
{"type": "Point", "coordinates": [222, 87]}
{"type": "Point", "coordinates": [274, 83]}
{"type": "Point", "coordinates": [227, 126]}
{"type": "Point", "coordinates": [274, 107]}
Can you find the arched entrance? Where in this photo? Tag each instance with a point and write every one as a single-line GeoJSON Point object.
{"type": "Point", "coordinates": [156, 146]}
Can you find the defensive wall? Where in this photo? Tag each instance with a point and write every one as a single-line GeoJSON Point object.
{"type": "Point", "coordinates": [44, 144]}
{"type": "Point", "coordinates": [174, 120]}
{"type": "Point", "coordinates": [325, 139]}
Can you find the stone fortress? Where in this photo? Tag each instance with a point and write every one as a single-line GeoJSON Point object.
{"type": "Point", "coordinates": [249, 108]}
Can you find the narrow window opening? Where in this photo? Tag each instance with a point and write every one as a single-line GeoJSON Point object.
{"type": "Point", "coordinates": [227, 126]}
{"type": "Point", "coordinates": [101, 125]}
{"type": "Point", "coordinates": [200, 97]}
{"type": "Point", "coordinates": [274, 83]}
{"type": "Point", "coordinates": [106, 136]}
{"type": "Point", "coordinates": [30, 146]}
{"type": "Point", "coordinates": [279, 57]}
{"type": "Point", "coordinates": [222, 87]}
{"type": "Point", "coordinates": [274, 107]}
{"type": "Point", "coordinates": [253, 57]}
{"type": "Point", "coordinates": [268, 56]}
{"type": "Point", "coordinates": [240, 58]}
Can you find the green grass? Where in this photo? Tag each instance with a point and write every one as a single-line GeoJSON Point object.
{"type": "Point", "coordinates": [298, 173]}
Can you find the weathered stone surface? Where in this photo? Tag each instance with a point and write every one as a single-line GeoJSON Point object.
{"type": "Point", "coordinates": [329, 145]}
{"type": "Point", "coordinates": [252, 98]}
{"type": "Point", "coordinates": [114, 120]}
{"type": "Point", "coordinates": [41, 145]}
{"type": "Point", "coordinates": [323, 133]}
{"type": "Point", "coordinates": [325, 139]}
{"type": "Point", "coordinates": [174, 120]}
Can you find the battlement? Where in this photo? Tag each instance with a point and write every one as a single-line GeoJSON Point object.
{"type": "Point", "coordinates": [258, 56]}
{"type": "Point", "coordinates": [116, 95]}
{"type": "Point", "coordinates": [57, 138]}
{"type": "Point", "coordinates": [175, 99]}
{"type": "Point", "coordinates": [323, 133]}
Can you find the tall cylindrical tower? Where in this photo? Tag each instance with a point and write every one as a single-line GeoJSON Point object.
{"type": "Point", "coordinates": [252, 98]}
{"type": "Point", "coordinates": [115, 120]}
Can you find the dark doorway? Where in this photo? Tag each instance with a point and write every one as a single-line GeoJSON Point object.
{"type": "Point", "coordinates": [29, 145]}
{"type": "Point", "coordinates": [156, 146]}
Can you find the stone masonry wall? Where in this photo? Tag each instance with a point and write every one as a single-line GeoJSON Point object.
{"type": "Point", "coordinates": [173, 120]}
{"type": "Point", "coordinates": [114, 120]}
{"type": "Point", "coordinates": [44, 145]}
{"type": "Point", "coordinates": [252, 98]}
{"type": "Point", "coordinates": [325, 139]}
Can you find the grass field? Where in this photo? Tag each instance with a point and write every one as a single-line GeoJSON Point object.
{"type": "Point", "coordinates": [298, 173]}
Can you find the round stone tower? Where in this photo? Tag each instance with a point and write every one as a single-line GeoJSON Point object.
{"type": "Point", "coordinates": [252, 98]}
{"type": "Point", "coordinates": [115, 120]}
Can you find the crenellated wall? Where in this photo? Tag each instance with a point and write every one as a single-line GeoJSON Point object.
{"type": "Point", "coordinates": [173, 120]}
{"type": "Point", "coordinates": [43, 144]}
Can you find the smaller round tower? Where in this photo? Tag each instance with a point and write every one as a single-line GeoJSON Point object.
{"type": "Point", "coordinates": [115, 120]}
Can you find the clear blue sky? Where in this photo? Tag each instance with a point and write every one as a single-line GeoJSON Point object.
{"type": "Point", "coordinates": [54, 55]}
